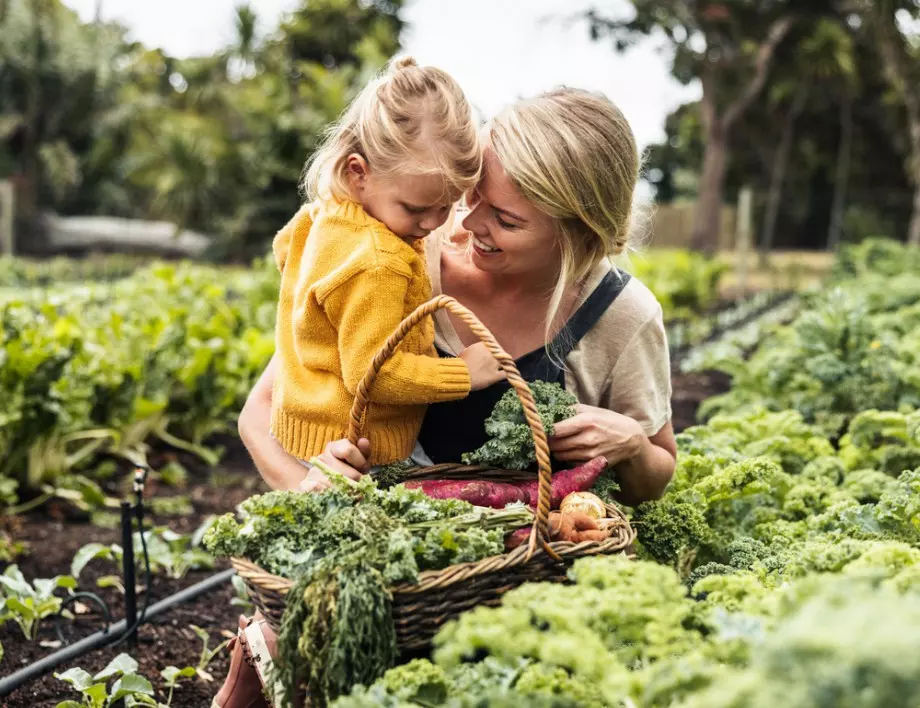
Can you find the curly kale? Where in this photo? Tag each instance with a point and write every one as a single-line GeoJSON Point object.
{"type": "Point", "coordinates": [898, 509]}
{"type": "Point", "coordinates": [671, 528]}
{"type": "Point", "coordinates": [848, 644]}
{"type": "Point", "coordinates": [346, 547]}
{"type": "Point", "coordinates": [592, 628]}
{"type": "Point", "coordinates": [511, 442]}
{"type": "Point", "coordinates": [487, 683]}
{"type": "Point", "coordinates": [885, 440]}
{"type": "Point", "coordinates": [709, 509]}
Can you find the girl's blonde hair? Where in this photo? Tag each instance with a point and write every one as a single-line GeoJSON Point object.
{"type": "Point", "coordinates": [572, 154]}
{"type": "Point", "coordinates": [410, 119]}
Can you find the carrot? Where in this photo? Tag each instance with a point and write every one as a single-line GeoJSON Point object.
{"type": "Point", "coordinates": [574, 527]}
{"type": "Point", "coordinates": [499, 494]}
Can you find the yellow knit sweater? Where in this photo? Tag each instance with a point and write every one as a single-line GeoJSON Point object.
{"type": "Point", "coordinates": [346, 283]}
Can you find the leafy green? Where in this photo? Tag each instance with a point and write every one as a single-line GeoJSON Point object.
{"type": "Point", "coordinates": [346, 547]}
{"type": "Point", "coordinates": [168, 552]}
{"type": "Point", "coordinates": [129, 686]}
{"type": "Point", "coordinates": [511, 441]}
{"type": "Point", "coordinates": [27, 604]}
{"type": "Point", "coordinates": [167, 354]}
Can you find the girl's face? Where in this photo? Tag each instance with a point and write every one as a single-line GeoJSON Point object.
{"type": "Point", "coordinates": [410, 205]}
{"type": "Point", "coordinates": [510, 235]}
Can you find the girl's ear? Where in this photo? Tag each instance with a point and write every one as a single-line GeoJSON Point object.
{"type": "Point", "coordinates": [357, 171]}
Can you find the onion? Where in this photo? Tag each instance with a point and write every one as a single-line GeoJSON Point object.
{"type": "Point", "coordinates": [585, 503]}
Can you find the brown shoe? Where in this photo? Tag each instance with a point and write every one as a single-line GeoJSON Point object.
{"type": "Point", "coordinates": [242, 688]}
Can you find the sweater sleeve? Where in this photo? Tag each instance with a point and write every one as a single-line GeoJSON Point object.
{"type": "Point", "coordinates": [365, 310]}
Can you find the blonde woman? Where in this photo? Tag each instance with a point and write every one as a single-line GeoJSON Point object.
{"type": "Point", "coordinates": [532, 260]}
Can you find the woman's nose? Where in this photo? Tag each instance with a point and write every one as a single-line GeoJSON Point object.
{"type": "Point", "coordinates": [473, 221]}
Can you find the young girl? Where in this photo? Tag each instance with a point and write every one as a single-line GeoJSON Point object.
{"type": "Point", "coordinates": [352, 266]}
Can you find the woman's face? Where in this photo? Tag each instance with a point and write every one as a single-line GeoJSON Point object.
{"type": "Point", "coordinates": [510, 235]}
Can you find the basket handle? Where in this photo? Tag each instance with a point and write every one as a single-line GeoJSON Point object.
{"type": "Point", "coordinates": [540, 532]}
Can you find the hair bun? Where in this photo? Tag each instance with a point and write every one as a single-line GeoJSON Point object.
{"type": "Point", "coordinates": [403, 63]}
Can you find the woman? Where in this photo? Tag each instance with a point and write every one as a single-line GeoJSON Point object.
{"type": "Point", "coordinates": [531, 260]}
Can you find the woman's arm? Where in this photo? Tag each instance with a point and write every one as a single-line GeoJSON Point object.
{"type": "Point", "coordinates": [644, 464]}
{"type": "Point", "coordinates": [646, 475]}
{"type": "Point", "coordinates": [278, 469]}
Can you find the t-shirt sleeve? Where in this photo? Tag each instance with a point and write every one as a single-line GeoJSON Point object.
{"type": "Point", "coordinates": [640, 383]}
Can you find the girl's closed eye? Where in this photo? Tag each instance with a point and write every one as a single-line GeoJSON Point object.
{"type": "Point", "coordinates": [414, 209]}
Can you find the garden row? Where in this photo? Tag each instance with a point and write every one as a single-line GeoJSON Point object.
{"type": "Point", "coordinates": [782, 566]}
{"type": "Point", "coordinates": [93, 373]}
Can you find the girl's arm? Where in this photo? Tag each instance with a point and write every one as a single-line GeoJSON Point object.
{"type": "Point", "coordinates": [279, 470]}
{"type": "Point", "coordinates": [366, 309]}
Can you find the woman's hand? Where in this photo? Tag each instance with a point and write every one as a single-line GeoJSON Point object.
{"type": "Point", "coordinates": [592, 432]}
{"type": "Point", "coordinates": [343, 457]}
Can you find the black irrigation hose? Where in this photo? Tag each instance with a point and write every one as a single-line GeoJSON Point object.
{"type": "Point", "coordinates": [140, 476]}
{"type": "Point", "coordinates": [126, 629]}
{"type": "Point", "coordinates": [10, 683]}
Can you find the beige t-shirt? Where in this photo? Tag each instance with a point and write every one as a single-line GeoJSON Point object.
{"type": "Point", "coordinates": [621, 364]}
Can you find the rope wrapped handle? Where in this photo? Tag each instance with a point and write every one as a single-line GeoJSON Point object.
{"type": "Point", "coordinates": [540, 534]}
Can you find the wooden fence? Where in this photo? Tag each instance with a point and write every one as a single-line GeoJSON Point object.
{"type": "Point", "coordinates": [6, 218]}
{"type": "Point", "coordinates": [672, 226]}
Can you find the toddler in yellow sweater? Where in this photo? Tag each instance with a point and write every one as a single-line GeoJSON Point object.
{"type": "Point", "coordinates": [353, 267]}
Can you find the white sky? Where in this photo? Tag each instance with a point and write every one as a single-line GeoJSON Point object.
{"type": "Point", "coordinates": [497, 50]}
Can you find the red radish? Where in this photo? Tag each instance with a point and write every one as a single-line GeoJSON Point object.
{"type": "Point", "coordinates": [498, 495]}
{"type": "Point", "coordinates": [516, 538]}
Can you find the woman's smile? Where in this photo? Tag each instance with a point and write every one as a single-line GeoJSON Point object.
{"type": "Point", "coordinates": [483, 248]}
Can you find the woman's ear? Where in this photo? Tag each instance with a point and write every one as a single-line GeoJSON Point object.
{"type": "Point", "coordinates": [356, 170]}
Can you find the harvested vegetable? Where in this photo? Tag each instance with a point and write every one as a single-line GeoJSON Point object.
{"type": "Point", "coordinates": [511, 441]}
{"type": "Point", "coordinates": [499, 494]}
{"type": "Point", "coordinates": [496, 495]}
{"type": "Point", "coordinates": [345, 547]}
{"type": "Point", "coordinates": [573, 527]}
{"type": "Point", "coordinates": [584, 502]}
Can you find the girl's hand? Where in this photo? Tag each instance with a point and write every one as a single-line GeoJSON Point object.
{"type": "Point", "coordinates": [343, 457]}
{"type": "Point", "coordinates": [484, 369]}
{"type": "Point", "coordinates": [596, 431]}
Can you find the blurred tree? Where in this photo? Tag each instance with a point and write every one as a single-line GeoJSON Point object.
{"type": "Point", "coordinates": [821, 57]}
{"type": "Point", "coordinates": [730, 48]}
{"type": "Point", "coordinates": [826, 155]}
{"type": "Point", "coordinates": [890, 22]}
{"type": "Point", "coordinates": [93, 123]}
{"type": "Point", "coordinates": [55, 75]}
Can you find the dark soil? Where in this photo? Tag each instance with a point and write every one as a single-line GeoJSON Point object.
{"type": "Point", "coordinates": [692, 389]}
{"type": "Point", "coordinates": [56, 532]}
{"type": "Point", "coordinates": [53, 536]}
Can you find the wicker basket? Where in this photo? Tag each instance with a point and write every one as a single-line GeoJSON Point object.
{"type": "Point", "coordinates": [420, 609]}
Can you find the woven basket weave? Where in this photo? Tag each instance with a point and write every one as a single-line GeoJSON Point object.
{"type": "Point", "coordinates": [421, 608]}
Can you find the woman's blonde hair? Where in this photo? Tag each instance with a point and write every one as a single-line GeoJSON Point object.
{"type": "Point", "coordinates": [572, 154]}
{"type": "Point", "coordinates": [410, 119]}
